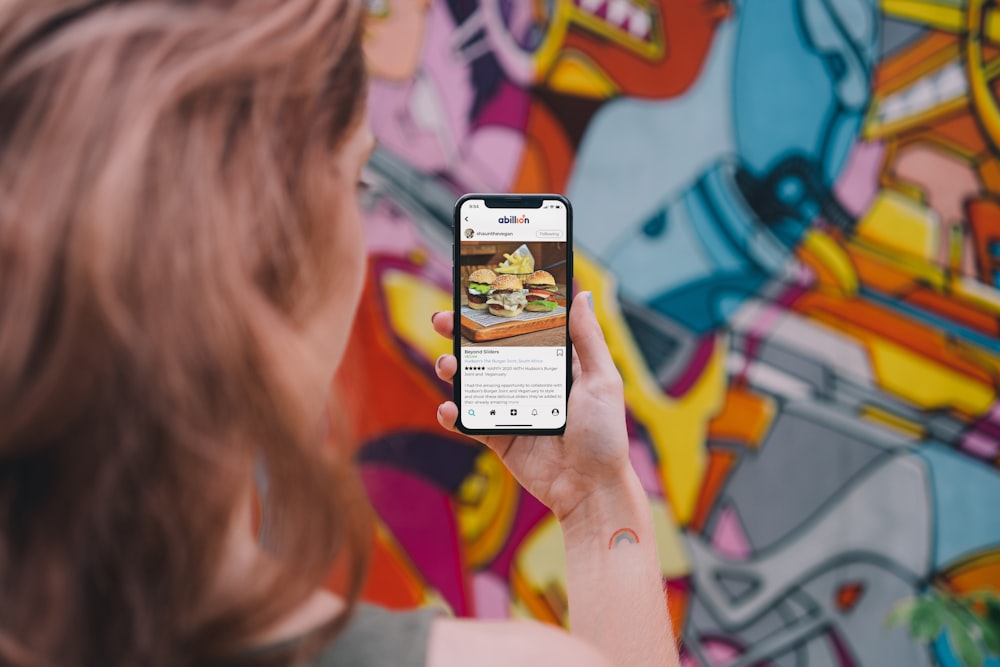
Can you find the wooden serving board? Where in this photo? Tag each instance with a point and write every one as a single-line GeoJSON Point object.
{"type": "Point", "coordinates": [480, 334]}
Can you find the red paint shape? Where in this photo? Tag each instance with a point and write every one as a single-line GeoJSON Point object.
{"type": "Point", "coordinates": [848, 595]}
{"type": "Point", "coordinates": [688, 28]}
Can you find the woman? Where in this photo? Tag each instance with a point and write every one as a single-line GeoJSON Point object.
{"type": "Point", "coordinates": [180, 254]}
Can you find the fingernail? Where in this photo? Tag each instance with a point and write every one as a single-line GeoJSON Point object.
{"type": "Point", "coordinates": [590, 299]}
{"type": "Point", "coordinates": [439, 410]}
{"type": "Point", "coordinates": [437, 364]}
{"type": "Point", "coordinates": [434, 315]}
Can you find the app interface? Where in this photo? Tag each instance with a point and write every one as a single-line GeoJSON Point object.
{"type": "Point", "coordinates": [513, 268]}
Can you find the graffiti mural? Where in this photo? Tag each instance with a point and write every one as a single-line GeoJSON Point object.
{"type": "Point", "coordinates": [789, 214]}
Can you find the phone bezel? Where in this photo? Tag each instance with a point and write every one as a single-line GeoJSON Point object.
{"type": "Point", "coordinates": [508, 201]}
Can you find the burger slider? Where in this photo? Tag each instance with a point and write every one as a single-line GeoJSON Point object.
{"type": "Point", "coordinates": [541, 292]}
{"type": "Point", "coordinates": [479, 287]}
{"type": "Point", "coordinates": [506, 297]}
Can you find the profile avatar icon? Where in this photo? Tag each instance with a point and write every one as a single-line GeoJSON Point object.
{"type": "Point", "coordinates": [469, 233]}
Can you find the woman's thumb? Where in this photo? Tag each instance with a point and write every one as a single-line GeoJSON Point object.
{"type": "Point", "coordinates": [587, 337]}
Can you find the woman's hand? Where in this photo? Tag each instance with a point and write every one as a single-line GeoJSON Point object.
{"type": "Point", "coordinates": [592, 457]}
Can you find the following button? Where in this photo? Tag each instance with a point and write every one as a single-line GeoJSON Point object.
{"type": "Point", "coordinates": [549, 233]}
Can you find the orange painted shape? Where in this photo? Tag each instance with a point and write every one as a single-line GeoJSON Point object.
{"type": "Point", "coordinates": [984, 219]}
{"type": "Point", "coordinates": [989, 173]}
{"type": "Point", "coordinates": [548, 153]}
{"type": "Point", "coordinates": [535, 602]}
{"type": "Point", "coordinates": [899, 70]}
{"type": "Point", "coordinates": [848, 595]}
{"type": "Point", "coordinates": [678, 600]}
{"type": "Point", "coordinates": [392, 581]}
{"type": "Point", "coordinates": [376, 373]}
{"type": "Point", "coordinates": [878, 275]}
{"type": "Point", "coordinates": [976, 573]}
{"type": "Point", "coordinates": [720, 464]}
{"type": "Point", "coordinates": [954, 310]}
{"type": "Point", "coordinates": [866, 321]}
{"type": "Point", "coordinates": [745, 417]}
{"type": "Point", "coordinates": [957, 131]}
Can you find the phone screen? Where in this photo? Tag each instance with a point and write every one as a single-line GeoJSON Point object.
{"type": "Point", "coordinates": [513, 281]}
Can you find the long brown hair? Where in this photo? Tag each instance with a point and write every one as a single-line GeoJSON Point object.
{"type": "Point", "coordinates": [163, 221]}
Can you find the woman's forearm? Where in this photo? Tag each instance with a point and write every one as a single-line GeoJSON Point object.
{"type": "Point", "coordinates": [616, 596]}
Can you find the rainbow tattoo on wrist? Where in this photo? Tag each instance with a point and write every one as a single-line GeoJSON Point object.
{"type": "Point", "coordinates": [623, 536]}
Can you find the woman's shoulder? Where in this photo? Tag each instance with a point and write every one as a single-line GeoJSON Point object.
{"type": "Point", "coordinates": [429, 638]}
{"type": "Point", "coordinates": [376, 636]}
{"type": "Point", "coordinates": [463, 642]}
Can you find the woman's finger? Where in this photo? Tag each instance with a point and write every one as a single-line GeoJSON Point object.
{"type": "Point", "coordinates": [446, 367]}
{"type": "Point", "coordinates": [576, 365]}
{"type": "Point", "coordinates": [444, 322]}
{"type": "Point", "coordinates": [447, 414]}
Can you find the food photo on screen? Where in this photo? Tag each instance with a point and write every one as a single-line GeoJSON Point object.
{"type": "Point", "coordinates": [513, 293]}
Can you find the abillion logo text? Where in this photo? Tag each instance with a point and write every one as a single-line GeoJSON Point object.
{"type": "Point", "coordinates": [513, 220]}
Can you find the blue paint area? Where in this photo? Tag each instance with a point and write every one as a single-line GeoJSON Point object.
{"type": "Point", "coordinates": [699, 259]}
{"type": "Point", "coordinates": [946, 657]}
{"type": "Point", "coordinates": [705, 305]}
{"type": "Point", "coordinates": [802, 79]}
{"type": "Point", "coordinates": [966, 495]}
{"type": "Point", "coordinates": [639, 156]}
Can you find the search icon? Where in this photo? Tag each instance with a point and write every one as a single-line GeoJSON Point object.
{"type": "Point", "coordinates": [472, 413]}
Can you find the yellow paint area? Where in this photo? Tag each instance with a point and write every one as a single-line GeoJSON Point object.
{"type": "Point", "coordinates": [925, 383]}
{"type": "Point", "coordinates": [486, 505]}
{"type": "Point", "coordinates": [975, 292]}
{"type": "Point", "coordinates": [944, 15]}
{"type": "Point", "coordinates": [893, 421]}
{"type": "Point", "coordinates": [676, 428]}
{"type": "Point", "coordinates": [538, 574]}
{"type": "Point", "coordinates": [409, 299]}
{"type": "Point", "coordinates": [574, 74]}
{"type": "Point", "coordinates": [901, 225]}
{"type": "Point", "coordinates": [828, 253]}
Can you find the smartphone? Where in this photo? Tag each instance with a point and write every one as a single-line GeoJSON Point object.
{"type": "Point", "coordinates": [513, 278]}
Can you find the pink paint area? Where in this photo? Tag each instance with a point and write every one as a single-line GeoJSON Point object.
{"type": "Point", "coordinates": [981, 445]}
{"type": "Point", "coordinates": [426, 121]}
{"type": "Point", "coordinates": [491, 595]}
{"type": "Point", "coordinates": [718, 652]}
{"type": "Point", "coordinates": [389, 230]}
{"type": "Point", "coordinates": [645, 467]}
{"type": "Point", "coordinates": [422, 519]}
{"type": "Point", "coordinates": [767, 317]}
{"type": "Point", "coordinates": [729, 539]}
{"type": "Point", "coordinates": [858, 184]}
{"type": "Point", "coordinates": [991, 423]}
{"type": "Point", "coordinates": [946, 183]}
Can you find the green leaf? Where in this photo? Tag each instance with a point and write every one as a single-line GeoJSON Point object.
{"type": "Point", "coordinates": [991, 634]}
{"type": "Point", "coordinates": [990, 625]}
{"type": "Point", "coordinates": [927, 619]}
{"type": "Point", "coordinates": [993, 612]}
{"type": "Point", "coordinates": [901, 613]}
{"type": "Point", "coordinates": [968, 651]}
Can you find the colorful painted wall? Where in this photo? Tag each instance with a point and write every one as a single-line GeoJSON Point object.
{"type": "Point", "coordinates": [789, 213]}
